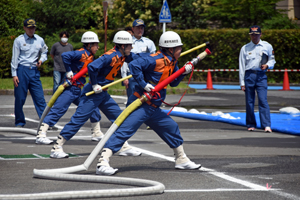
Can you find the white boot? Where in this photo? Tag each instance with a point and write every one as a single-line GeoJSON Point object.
{"type": "Point", "coordinates": [103, 167]}
{"type": "Point", "coordinates": [182, 161]}
{"type": "Point", "coordinates": [57, 150]}
{"type": "Point", "coordinates": [97, 134]}
{"type": "Point", "coordinates": [128, 150]}
{"type": "Point", "coordinates": [41, 137]}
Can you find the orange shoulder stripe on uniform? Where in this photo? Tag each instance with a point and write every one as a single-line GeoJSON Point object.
{"type": "Point", "coordinates": [164, 66]}
{"type": "Point", "coordinates": [116, 65]}
{"type": "Point", "coordinates": [86, 60]}
{"type": "Point", "coordinates": [155, 54]}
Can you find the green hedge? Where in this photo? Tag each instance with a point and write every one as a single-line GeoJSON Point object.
{"type": "Point", "coordinates": [225, 44]}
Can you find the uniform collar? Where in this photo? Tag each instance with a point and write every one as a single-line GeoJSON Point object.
{"type": "Point", "coordinates": [166, 55]}
{"type": "Point", "coordinates": [27, 37]}
{"type": "Point", "coordinates": [135, 39]}
{"type": "Point", "coordinates": [259, 43]}
{"type": "Point", "coordinates": [119, 53]}
{"type": "Point", "coordinates": [88, 53]}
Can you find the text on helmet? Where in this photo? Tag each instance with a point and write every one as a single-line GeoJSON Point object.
{"type": "Point", "coordinates": [171, 41]}
{"type": "Point", "coordinates": [122, 38]}
{"type": "Point", "coordinates": [88, 38]}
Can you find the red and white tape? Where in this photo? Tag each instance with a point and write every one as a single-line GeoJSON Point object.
{"type": "Point", "coordinates": [236, 70]}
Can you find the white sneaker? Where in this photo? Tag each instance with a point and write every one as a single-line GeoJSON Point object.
{"type": "Point", "coordinates": [97, 138]}
{"type": "Point", "coordinates": [130, 152]}
{"type": "Point", "coordinates": [58, 153]}
{"type": "Point", "coordinates": [105, 170]}
{"type": "Point", "coordinates": [268, 129]}
{"type": "Point", "coordinates": [188, 165]}
{"type": "Point", "coordinates": [43, 140]}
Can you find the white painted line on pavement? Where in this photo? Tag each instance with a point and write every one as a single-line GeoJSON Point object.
{"type": "Point", "coordinates": [211, 171]}
{"type": "Point", "coordinates": [217, 190]}
{"type": "Point", "coordinates": [252, 186]}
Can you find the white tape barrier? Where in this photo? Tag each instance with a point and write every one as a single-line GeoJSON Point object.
{"type": "Point", "coordinates": [236, 70]}
{"type": "Point", "coordinates": [146, 187]}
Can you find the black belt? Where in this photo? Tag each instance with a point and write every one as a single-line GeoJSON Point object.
{"type": "Point", "coordinates": [151, 82]}
{"type": "Point", "coordinates": [30, 67]}
{"type": "Point", "coordinates": [255, 71]}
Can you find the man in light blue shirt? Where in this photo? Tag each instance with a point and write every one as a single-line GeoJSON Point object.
{"type": "Point", "coordinates": [29, 52]}
{"type": "Point", "coordinates": [255, 58]}
{"type": "Point", "coordinates": [140, 45]}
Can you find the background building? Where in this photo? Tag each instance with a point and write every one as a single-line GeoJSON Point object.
{"type": "Point", "coordinates": [293, 7]}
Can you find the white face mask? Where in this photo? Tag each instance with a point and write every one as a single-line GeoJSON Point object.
{"type": "Point", "coordinates": [64, 40]}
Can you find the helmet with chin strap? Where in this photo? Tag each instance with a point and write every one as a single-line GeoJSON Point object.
{"type": "Point", "coordinates": [89, 37]}
{"type": "Point", "coordinates": [170, 39]}
{"type": "Point", "coordinates": [122, 37]}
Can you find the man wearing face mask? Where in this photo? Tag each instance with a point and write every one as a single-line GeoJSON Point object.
{"type": "Point", "coordinates": [59, 70]}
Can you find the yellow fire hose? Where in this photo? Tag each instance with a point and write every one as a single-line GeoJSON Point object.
{"type": "Point", "coordinates": [110, 84]}
{"type": "Point", "coordinates": [195, 48]}
{"type": "Point", "coordinates": [145, 186]}
{"type": "Point", "coordinates": [128, 77]}
{"type": "Point", "coordinates": [61, 88]}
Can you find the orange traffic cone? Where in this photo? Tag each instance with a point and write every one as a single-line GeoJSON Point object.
{"type": "Point", "coordinates": [209, 85]}
{"type": "Point", "coordinates": [286, 83]}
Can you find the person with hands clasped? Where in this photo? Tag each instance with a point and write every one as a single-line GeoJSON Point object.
{"type": "Point", "coordinates": [73, 61]}
{"type": "Point", "coordinates": [255, 58]}
{"type": "Point", "coordinates": [29, 52]}
{"type": "Point", "coordinates": [149, 70]}
{"type": "Point", "coordinates": [102, 71]}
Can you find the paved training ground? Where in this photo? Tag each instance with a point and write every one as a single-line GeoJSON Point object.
{"type": "Point", "coordinates": [236, 164]}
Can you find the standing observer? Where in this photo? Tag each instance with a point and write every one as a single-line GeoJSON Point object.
{"type": "Point", "coordinates": [255, 58]}
{"type": "Point", "coordinates": [59, 70]}
{"type": "Point", "coordinates": [140, 45]}
{"type": "Point", "coordinates": [29, 52]}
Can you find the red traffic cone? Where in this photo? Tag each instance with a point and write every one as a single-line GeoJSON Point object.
{"type": "Point", "coordinates": [286, 83]}
{"type": "Point", "coordinates": [209, 85]}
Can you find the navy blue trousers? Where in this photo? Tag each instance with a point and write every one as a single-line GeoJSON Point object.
{"type": "Point", "coordinates": [29, 79]}
{"type": "Point", "coordinates": [257, 81]}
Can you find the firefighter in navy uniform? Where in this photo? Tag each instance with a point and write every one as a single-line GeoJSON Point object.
{"type": "Point", "coordinates": [74, 61]}
{"type": "Point", "coordinates": [149, 70]}
{"type": "Point", "coordinates": [102, 71]}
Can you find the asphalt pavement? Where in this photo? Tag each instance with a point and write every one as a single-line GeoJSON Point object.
{"type": "Point", "coordinates": [236, 164]}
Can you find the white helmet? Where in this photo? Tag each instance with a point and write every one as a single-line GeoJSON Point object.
{"type": "Point", "coordinates": [122, 37]}
{"type": "Point", "coordinates": [89, 37]}
{"type": "Point", "coordinates": [170, 39]}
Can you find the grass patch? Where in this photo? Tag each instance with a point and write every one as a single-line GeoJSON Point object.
{"type": "Point", "coordinates": [117, 89]}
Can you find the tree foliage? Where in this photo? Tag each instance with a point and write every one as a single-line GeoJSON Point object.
{"type": "Point", "coordinates": [244, 13]}
{"type": "Point", "coordinates": [186, 13]}
{"type": "Point", "coordinates": [124, 12]}
{"type": "Point", "coordinates": [12, 15]}
{"type": "Point", "coordinates": [53, 16]}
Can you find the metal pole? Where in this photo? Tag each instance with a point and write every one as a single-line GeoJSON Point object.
{"type": "Point", "coordinates": [105, 5]}
{"type": "Point", "coordinates": [164, 24]}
